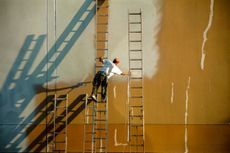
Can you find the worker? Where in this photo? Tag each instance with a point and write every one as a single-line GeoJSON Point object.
{"type": "Point", "coordinates": [108, 69]}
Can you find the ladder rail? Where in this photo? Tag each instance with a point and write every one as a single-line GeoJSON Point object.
{"type": "Point", "coordinates": [52, 143]}
{"type": "Point", "coordinates": [136, 110]}
{"type": "Point", "coordinates": [100, 125]}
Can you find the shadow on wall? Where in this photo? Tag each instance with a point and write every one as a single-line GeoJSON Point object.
{"type": "Point", "coordinates": [73, 111]}
{"type": "Point", "coordinates": [20, 87]}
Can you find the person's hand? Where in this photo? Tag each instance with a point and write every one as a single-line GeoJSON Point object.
{"type": "Point", "coordinates": [126, 73]}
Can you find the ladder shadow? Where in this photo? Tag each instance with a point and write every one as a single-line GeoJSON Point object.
{"type": "Point", "coordinates": [21, 86]}
{"type": "Point", "coordinates": [39, 115]}
{"type": "Point", "coordinates": [11, 96]}
{"type": "Point", "coordinates": [73, 111]}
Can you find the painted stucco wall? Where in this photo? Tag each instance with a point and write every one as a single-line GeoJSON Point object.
{"type": "Point", "coordinates": [180, 86]}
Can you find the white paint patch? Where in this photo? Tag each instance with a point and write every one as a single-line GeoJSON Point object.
{"type": "Point", "coordinates": [114, 92]}
{"type": "Point", "coordinates": [87, 117]}
{"type": "Point", "coordinates": [132, 111]}
{"type": "Point", "coordinates": [115, 140]}
{"type": "Point", "coordinates": [203, 54]}
{"type": "Point", "coordinates": [118, 32]}
{"type": "Point", "coordinates": [186, 101]}
{"type": "Point", "coordinates": [172, 93]}
{"type": "Point", "coordinates": [186, 139]}
{"type": "Point", "coordinates": [101, 145]}
{"type": "Point", "coordinates": [129, 132]}
{"type": "Point", "coordinates": [186, 116]}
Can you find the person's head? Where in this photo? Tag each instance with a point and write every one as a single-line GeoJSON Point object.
{"type": "Point", "coordinates": [116, 60]}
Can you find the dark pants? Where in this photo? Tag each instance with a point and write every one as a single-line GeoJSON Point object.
{"type": "Point", "coordinates": [100, 79]}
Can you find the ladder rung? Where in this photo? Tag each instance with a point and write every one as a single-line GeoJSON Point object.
{"type": "Point", "coordinates": [136, 87]}
{"type": "Point", "coordinates": [134, 22]}
{"type": "Point", "coordinates": [135, 41]}
{"type": "Point", "coordinates": [100, 129]}
{"type": "Point", "coordinates": [136, 125]}
{"type": "Point", "coordinates": [100, 138]}
{"type": "Point", "coordinates": [136, 96]}
{"type": "Point", "coordinates": [137, 106]}
{"type": "Point", "coordinates": [136, 78]}
{"type": "Point", "coordinates": [102, 31]}
{"type": "Point", "coordinates": [102, 14]}
{"type": "Point", "coordinates": [135, 68]}
{"type": "Point", "coordinates": [137, 135]}
{"type": "Point", "coordinates": [139, 59]}
{"type": "Point", "coordinates": [135, 13]}
{"type": "Point", "coordinates": [137, 145]}
{"type": "Point", "coordinates": [136, 115]}
{"type": "Point", "coordinates": [135, 50]}
{"type": "Point", "coordinates": [135, 31]}
{"type": "Point", "coordinates": [102, 40]}
{"type": "Point", "coordinates": [100, 120]}
{"type": "Point", "coordinates": [102, 49]}
{"type": "Point", "coordinates": [102, 23]}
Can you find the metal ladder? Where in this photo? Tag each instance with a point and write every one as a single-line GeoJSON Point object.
{"type": "Point", "coordinates": [102, 15]}
{"type": "Point", "coordinates": [100, 123]}
{"type": "Point", "coordinates": [135, 83]}
{"type": "Point", "coordinates": [57, 119]}
{"type": "Point", "coordinates": [88, 144]}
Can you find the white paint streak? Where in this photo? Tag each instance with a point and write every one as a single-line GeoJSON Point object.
{"type": "Point", "coordinates": [87, 117]}
{"type": "Point", "coordinates": [172, 93]}
{"type": "Point", "coordinates": [132, 111]}
{"type": "Point", "coordinates": [203, 54]}
{"type": "Point", "coordinates": [186, 101]}
{"type": "Point", "coordinates": [186, 116]}
{"type": "Point", "coordinates": [129, 132]}
{"type": "Point", "coordinates": [101, 145]}
{"type": "Point", "coordinates": [115, 140]}
{"type": "Point", "coordinates": [114, 92]}
{"type": "Point", "coordinates": [186, 139]}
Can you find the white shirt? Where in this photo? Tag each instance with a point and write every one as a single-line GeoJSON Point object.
{"type": "Point", "coordinates": [110, 68]}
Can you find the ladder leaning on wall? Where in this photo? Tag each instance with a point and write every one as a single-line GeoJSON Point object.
{"type": "Point", "coordinates": [57, 120]}
{"type": "Point", "coordinates": [135, 87]}
{"type": "Point", "coordinates": [96, 113]}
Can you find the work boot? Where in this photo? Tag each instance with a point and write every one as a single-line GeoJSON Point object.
{"type": "Point", "coordinates": [94, 97]}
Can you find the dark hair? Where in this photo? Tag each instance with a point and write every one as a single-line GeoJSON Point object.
{"type": "Point", "coordinates": [115, 60]}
